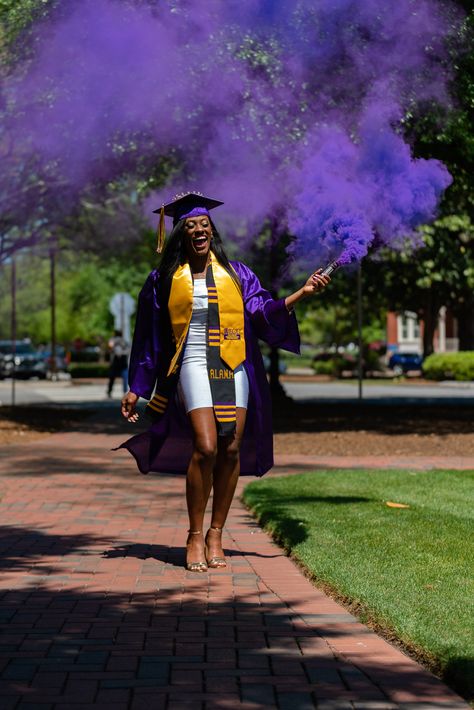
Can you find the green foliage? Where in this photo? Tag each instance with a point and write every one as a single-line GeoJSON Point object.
{"type": "Point", "coordinates": [449, 366]}
{"type": "Point", "coordinates": [409, 570]}
{"type": "Point", "coordinates": [325, 368]}
{"type": "Point", "coordinates": [449, 136]}
{"type": "Point", "coordinates": [109, 216]}
{"type": "Point", "coordinates": [334, 324]}
{"type": "Point", "coordinates": [442, 272]}
{"type": "Point", "coordinates": [17, 15]}
{"type": "Point", "coordinates": [330, 319]}
{"type": "Point", "coordinates": [84, 286]}
{"type": "Point", "coordinates": [347, 363]}
{"type": "Point", "coordinates": [447, 258]}
{"type": "Point", "coordinates": [334, 366]}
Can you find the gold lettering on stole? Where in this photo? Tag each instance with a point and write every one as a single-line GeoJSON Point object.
{"type": "Point", "coordinates": [221, 374]}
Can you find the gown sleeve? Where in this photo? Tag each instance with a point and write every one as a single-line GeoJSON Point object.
{"type": "Point", "coordinates": [146, 345]}
{"type": "Point", "coordinates": [269, 317]}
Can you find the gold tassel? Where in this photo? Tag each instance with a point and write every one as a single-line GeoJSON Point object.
{"type": "Point", "coordinates": [161, 231]}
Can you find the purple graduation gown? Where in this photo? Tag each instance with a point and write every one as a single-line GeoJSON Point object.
{"type": "Point", "coordinates": [167, 445]}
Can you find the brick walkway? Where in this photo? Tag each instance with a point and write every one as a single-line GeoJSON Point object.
{"type": "Point", "coordinates": [97, 610]}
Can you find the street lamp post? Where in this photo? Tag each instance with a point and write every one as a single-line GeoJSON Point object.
{"type": "Point", "coordinates": [359, 327]}
{"type": "Point", "coordinates": [13, 329]}
{"type": "Point", "coordinates": [52, 262]}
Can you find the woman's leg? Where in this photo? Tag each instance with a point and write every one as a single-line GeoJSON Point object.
{"type": "Point", "coordinates": [199, 478]}
{"type": "Point", "coordinates": [226, 475]}
{"type": "Point", "coordinates": [110, 385]}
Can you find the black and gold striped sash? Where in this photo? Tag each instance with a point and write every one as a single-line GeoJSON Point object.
{"type": "Point", "coordinates": [221, 376]}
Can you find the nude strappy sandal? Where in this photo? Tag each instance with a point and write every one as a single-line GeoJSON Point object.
{"type": "Point", "coordinates": [216, 561]}
{"type": "Point", "coordinates": [195, 566]}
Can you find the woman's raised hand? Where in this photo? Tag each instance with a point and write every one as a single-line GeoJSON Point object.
{"type": "Point", "coordinates": [316, 283]}
{"type": "Point", "coordinates": [129, 402]}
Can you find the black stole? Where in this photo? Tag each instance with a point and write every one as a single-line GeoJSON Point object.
{"type": "Point", "coordinates": [221, 377]}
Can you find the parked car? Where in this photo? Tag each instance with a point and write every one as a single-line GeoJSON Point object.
{"type": "Point", "coordinates": [25, 362]}
{"type": "Point", "coordinates": [402, 363]}
{"type": "Point", "coordinates": [28, 362]}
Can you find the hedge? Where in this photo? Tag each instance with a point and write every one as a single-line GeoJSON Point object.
{"type": "Point", "coordinates": [449, 366]}
{"type": "Point", "coordinates": [324, 368]}
{"type": "Point", "coordinates": [88, 369]}
{"type": "Point", "coordinates": [338, 364]}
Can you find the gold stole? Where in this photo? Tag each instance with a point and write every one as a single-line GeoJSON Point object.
{"type": "Point", "coordinates": [231, 313]}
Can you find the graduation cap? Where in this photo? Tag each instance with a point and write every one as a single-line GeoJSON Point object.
{"type": "Point", "coordinates": [186, 204]}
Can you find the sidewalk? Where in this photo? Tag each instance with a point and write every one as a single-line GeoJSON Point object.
{"type": "Point", "coordinates": [97, 610]}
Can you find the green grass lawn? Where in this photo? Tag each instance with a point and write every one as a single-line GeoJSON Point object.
{"type": "Point", "coordinates": [409, 571]}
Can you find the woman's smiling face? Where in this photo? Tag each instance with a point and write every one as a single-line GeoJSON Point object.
{"type": "Point", "coordinates": [198, 233]}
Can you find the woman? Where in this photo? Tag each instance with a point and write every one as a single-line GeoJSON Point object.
{"type": "Point", "coordinates": [195, 345]}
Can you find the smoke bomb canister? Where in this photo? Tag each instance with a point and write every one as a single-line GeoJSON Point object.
{"type": "Point", "coordinates": [330, 268]}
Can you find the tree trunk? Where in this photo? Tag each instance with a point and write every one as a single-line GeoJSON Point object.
{"type": "Point", "coordinates": [465, 316]}
{"type": "Point", "coordinates": [52, 262]}
{"type": "Point", "coordinates": [274, 372]}
{"type": "Point", "coordinates": [275, 385]}
{"type": "Point", "coordinates": [430, 320]}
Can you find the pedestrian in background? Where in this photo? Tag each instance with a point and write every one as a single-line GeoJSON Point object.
{"type": "Point", "coordinates": [119, 354]}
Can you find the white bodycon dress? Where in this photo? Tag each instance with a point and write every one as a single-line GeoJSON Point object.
{"type": "Point", "coordinates": [193, 379]}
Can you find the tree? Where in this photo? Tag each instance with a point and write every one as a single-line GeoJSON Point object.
{"type": "Point", "coordinates": [16, 16]}
{"type": "Point", "coordinates": [103, 211]}
{"type": "Point", "coordinates": [441, 273]}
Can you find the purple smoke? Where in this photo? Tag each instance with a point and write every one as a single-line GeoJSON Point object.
{"type": "Point", "coordinates": [353, 191]}
{"type": "Point", "coordinates": [306, 132]}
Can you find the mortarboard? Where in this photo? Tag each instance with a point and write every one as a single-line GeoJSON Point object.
{"type": "Point", "coordinates": [186, 204]}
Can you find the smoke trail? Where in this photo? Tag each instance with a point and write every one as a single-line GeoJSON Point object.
{"type": "Point", "coordinates": [283, 110]}
{"type": "Point", "coordinates": [354, 191]}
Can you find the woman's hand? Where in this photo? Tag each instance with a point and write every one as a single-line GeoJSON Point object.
{"type": "Point", "coordinates": [316, 283]}
{"type": "Point", "coordinates": [129, 402]}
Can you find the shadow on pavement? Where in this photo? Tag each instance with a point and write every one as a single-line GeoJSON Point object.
{"type": "Point", "coordinates": [21, 548]}
{"type": "Point", "coordinates": [161, 553]}
{"type": "Point", "coordinates": [395, 418]}
{"type": "Point", "coordinates": [84, 648]}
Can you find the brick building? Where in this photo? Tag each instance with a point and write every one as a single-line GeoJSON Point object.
{"type": "Point", "coordinates": [405, 332]}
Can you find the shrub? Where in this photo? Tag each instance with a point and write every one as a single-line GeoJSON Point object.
{"type": "Point", "coordinates": [333, 364]}
{"type": "Point", "coordinates": [449, 366]}
{"type": "Point", "coordinates": [88, 369]}
{"type": "Point", "coordinates": [323, 368]}
{"type": "Point", "coordinates": [85, 356]}
{"type": "Point", "coordinates": [371, 360]}
{"type": "Point", "coordinates": [336, 363]}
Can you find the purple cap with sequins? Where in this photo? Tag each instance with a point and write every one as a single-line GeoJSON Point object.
{"type": "Point", "coordinates": [189, 204]}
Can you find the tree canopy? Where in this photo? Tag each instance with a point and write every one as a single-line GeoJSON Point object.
{"type": "Point", "coordinates": [38, 209]}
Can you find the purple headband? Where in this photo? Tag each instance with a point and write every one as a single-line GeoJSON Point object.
{"type": "Point", "coordinates": [195, 212]}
